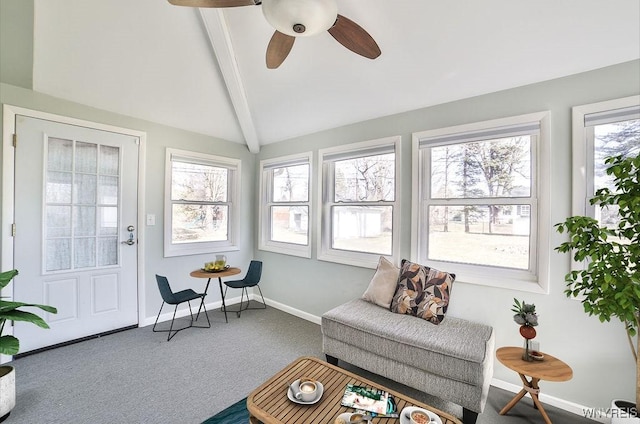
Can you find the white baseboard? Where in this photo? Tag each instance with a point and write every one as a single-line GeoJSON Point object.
{"type": "Point", "coordinates": [565, 405]}
{"type": "Point", "coordinates": [293, 311]}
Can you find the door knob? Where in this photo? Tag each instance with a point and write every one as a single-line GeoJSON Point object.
{"type": "Point", "coordinates": [130, 241]}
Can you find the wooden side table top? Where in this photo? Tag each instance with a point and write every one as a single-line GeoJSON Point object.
{"type": "Point", "coordinates": [550, 368]}
{"type": "Point", "coordinates": [269, 402]}
{"type": "Point", "coordinates": [199, 273]}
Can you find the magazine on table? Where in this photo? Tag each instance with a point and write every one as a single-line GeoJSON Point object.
{"type": "Point", "coordinates": [377, 403]}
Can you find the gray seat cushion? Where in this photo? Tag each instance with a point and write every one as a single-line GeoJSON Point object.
{"type": "Point", "coordinates": [456, 349]}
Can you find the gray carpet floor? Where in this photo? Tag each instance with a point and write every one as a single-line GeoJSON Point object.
{"type": "Point", "coordinates": [136, 376]}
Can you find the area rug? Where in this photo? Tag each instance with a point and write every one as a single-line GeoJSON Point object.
{"type": "Point", "coordinates": [235, 414]}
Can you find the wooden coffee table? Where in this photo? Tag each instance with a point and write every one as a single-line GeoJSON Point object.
{"type": "Point", "coordinates": [550, 369]}
{"type": "Point", "coordinates": [269, 403]}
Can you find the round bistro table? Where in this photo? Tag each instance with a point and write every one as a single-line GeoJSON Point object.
{"type": "Point", "coordinates": [550, 369]}
{"type": "Point", "coordinates": [200, 273]}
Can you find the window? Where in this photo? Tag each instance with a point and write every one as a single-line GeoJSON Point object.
{"type": "Point", "coordinates": [360, 202]}
{"type": "Point", "coordinates": [601, 130]}
{"type": "Point", "coordinates": [481, 210]}
{"type": "Point", "coordinates": [285, 207]}
{"type": "Point", "coordinates": [201, 203]}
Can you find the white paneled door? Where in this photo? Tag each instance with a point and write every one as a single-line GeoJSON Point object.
{"type": "Point", "coordinates": [75, 236]}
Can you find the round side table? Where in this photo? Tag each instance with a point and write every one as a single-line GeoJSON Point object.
{"type": "Point", "coordinates": [550, 369]}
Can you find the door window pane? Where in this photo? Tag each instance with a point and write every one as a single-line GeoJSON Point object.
{"type": "Point", "coordinates": [60, 154]}
{"type": "Point", "coordinates": [86, 159]}
{"type": "Point", "coordinates": [84, 223]}
{"type": "Point", "coordinates": [107, 251]}
{"type": "Point", "coordinates": [84, 252]}
{"type": "Point", "coordinates": [84, 189]}
{"type": "Point", "coordinates": [107, 190]}
{"type": "Point", "coordinates": [58, 187]}
{"type": "Point", "coordinates": [58, 221]}
{"type": "Point", "coordinates": [109, 160]}
{"type": "Point", "coordinates": [108, 221]}
{"type": "Point", "coordinates": [58, 254]}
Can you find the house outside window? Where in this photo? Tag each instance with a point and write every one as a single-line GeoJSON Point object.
{"type": "Point", "coordinates": [201, 203]}
{"type": "Point", "coordinates": [481, 207]}
{"type": "Point", "coordinates": [601, 130]}
{"type": "Point", "coordinates": [360, 202]}
{"type": "Point", "coordinates": [285, 205]}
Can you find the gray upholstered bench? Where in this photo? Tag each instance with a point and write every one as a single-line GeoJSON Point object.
{"type": "Point", "coordinates": [452, 360]}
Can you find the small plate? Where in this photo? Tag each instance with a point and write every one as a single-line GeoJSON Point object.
{"type": "Point", "coordinates": [214, 271]}
{"type": "Point", "coordinates": [292, 398]}
{"type": "Point", "coordinates": [406, 411]}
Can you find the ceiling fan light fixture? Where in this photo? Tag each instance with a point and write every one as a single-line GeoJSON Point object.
{"type": "Point", "coordinates": [300, 17]}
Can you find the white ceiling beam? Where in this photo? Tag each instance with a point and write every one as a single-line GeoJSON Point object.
{"type": "Point", "coordinates": [215, 23]}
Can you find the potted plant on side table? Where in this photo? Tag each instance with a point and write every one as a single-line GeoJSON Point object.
{"type": "Point", "coordinates": [609, 283]}
{"type": "Point", "coordinates": [10, 345]}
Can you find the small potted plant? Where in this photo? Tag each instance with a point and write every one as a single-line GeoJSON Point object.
{"type": "Point", "coordinates": [10, 345]}
{"type": "Point", "coordinates": [609, 283]}
{"type": "Point", "coordinates": [526, 317]}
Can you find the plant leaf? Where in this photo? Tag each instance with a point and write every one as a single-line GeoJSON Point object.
{"type": "Point", "coordinates": [9, 345]}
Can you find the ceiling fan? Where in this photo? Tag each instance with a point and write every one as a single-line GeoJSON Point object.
{"type": "Point", "coordinates": [300, 18]}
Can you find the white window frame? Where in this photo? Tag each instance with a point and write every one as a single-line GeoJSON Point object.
{"type": "Point", "coordinates": [233, 202]}
{"type": "Point", "coordinates": [583, 146]}
{"type": "Point", "coordinates": [536, 278]}
{"type": "Point", "coordinates": [326, 201]}
{"type": "Point", "coordinates": [266, 202]}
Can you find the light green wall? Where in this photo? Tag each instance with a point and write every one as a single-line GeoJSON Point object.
{"type": "Point", "coordinates": [159, 137]}
{"type": "Point", "coordinates": [565, 330]}
{"type": "Point", "coordinates": [16, 42]}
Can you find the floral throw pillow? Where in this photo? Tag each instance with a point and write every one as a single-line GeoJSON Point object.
{"type": "Point", "coordinates": [422, 292]}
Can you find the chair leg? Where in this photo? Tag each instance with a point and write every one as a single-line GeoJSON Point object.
{"type": "Point", "coordinates": [171, 330]}
{"type": "Point", "coordinates": [158, 317]}
{"type": "Point", "coordinates": [244, 290]}
{"type": "Point", "coordinates": [244, 308]}
{"type": "Point", "coordinates": [224, 296]}
{"type": "Point", "coordinates": [264, 304]}
{"type": "Point", "coordinates": [169, 336]}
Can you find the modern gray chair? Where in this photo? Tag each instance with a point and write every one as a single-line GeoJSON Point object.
{"type": "Point", "coordinates": [171, 298]}
{"type": "Point", "coordinates": [251, 279]}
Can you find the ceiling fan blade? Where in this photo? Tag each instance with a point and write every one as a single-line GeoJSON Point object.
{"type": "Point", "coordinates": [354, 37]}
{"type": "Point", "coordinates": [278, 49]}
{"type": "Point", "coordinates": [213, 3]}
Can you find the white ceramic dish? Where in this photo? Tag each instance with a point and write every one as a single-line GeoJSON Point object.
{"type": "Point", "coordinates": [404, 415]}
{"type": "Point", "coordinates": [345, 416]}
{"type": "Point", "coordinates": [292, 398]}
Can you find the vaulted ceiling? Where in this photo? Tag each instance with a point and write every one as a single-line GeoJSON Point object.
{"type": "Point", "coordinates": [203, 70]}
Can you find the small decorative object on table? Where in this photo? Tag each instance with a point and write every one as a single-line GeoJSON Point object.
{"type": "Point", "coordinates": [527, 318]}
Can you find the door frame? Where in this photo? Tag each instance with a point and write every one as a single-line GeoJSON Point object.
{"type": "Point", "coordinates": [9, 113]}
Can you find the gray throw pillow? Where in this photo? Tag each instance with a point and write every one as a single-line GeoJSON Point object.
{"type": "Point", "coordinates": [383, 284]}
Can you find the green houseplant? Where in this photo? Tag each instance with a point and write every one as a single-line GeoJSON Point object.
{"type": "Point", "coordinates": [609, 283]}
{"type": "Point", "coordinates": [10, 345]}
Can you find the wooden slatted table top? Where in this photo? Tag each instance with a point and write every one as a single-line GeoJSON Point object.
{"type": "Point", "coordinates": [269, 402]}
